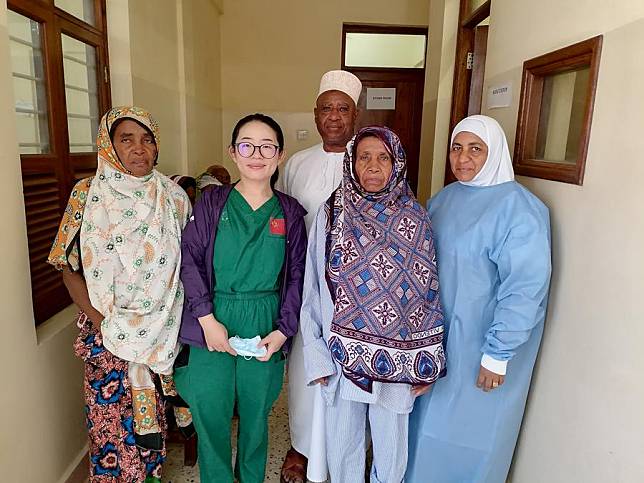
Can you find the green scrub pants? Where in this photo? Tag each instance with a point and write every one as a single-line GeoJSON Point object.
{"type": "Point", "coordinates": [212, 382]}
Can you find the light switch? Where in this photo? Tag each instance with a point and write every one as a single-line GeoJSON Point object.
{"type": "Point", "coordinates": [302, 134]}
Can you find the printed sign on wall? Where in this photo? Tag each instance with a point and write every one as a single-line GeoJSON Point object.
{"type": "Point", "coordinates": [381, 98]}
{"type": "Point", "coordinates": [499, 95]}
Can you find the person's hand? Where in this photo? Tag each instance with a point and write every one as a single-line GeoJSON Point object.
{"type": "Point", "coordinates": [322, 380]}
{"type": "Point", "coordinates": [216, 335]}
{"type": "Point", "coordinates": [420, 389]}
{"type": "Point", "coordinates": [96, 319]}
{"type": "Point", "coordinates": [273, 342]}
{"type": "Point", "coordinates": [489, 380]}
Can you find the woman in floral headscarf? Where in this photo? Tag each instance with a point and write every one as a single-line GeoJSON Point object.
{"type": "Point", "coordinates": [371, 318]}
{"type": "Point", "coordinates": [118, 247]}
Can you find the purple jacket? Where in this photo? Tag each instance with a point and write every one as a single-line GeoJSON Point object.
{"type": "Point", "coordinates": [198, 277]}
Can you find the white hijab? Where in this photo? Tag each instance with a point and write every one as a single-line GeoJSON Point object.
{"type": "Point", "coordinates": [498, 166]}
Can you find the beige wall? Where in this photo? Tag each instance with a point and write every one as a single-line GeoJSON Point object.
{"type": "Point", "coordinates": [165, 55]}
{"type": "Point", "coordinates": [584, 420]}
{"type": "Point", "coordinates": [202, 67]}
{"type": "Point", "coordinates": [41, 408]}
{"type": "Point", "coordinates": [154, 51]}
{"type": "Point", "coordinates": [275, 52]}
{"type": "Point", "coordinates": [439, 75]}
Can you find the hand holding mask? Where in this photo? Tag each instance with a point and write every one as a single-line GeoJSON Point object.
{"type": "Point", "coordinates": [247, 347]}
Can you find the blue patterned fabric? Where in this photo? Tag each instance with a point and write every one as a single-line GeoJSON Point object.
{"type": "Point", "coordinates": [382, 276]}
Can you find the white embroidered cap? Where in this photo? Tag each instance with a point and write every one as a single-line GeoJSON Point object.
{"type": "Point", "coordinates": [343, 81]}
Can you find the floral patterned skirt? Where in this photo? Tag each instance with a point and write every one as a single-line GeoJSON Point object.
{"type": "Point", "coordinates": [113, 455]}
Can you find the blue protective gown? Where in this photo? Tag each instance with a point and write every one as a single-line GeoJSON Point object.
{"type": "Point", "coordinates": [493, 250]}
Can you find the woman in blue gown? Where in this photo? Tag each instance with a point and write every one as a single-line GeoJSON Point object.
{"type": "Point", "coordinates": [493, 250]}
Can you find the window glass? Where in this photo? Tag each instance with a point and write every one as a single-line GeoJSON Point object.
{"type": "Point", "coordinates": [473, 5]}
{"type": "Point", "coordinates": [562, 115]}
{"type": "Point", "coordinates": [81, 94]}
{"type": "Point", "coordinates": [83, 9]}
{"type": "Point", "coordinates": [30, 95]}
{"type": "Point", "coordinates": [384, 50]}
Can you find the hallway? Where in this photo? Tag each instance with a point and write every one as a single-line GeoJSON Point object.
{"type": "Point", "coordinates": [200, 65]}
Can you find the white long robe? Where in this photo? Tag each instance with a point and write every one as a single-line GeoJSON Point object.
{"type": "Point", "coordinates": [310, 176]}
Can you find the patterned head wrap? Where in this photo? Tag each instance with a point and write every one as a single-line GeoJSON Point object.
{"type": "Point", "coordinates": [104, 140]}
{"type": "Point", "coordinates": [382, 275]}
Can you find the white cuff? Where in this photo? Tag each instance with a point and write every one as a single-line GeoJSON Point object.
{"type": "Point", "coordinates": [494, 365]}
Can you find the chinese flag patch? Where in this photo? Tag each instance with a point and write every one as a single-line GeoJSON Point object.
{"type": "Point", "coordinates": [277, 226]}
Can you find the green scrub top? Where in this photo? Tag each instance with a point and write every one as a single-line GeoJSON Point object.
{"type": "Point", "coordinates": [248, 258]}
{"type": "Point", "coordinates": [250, 246]}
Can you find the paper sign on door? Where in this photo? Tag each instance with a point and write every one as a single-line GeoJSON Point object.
{"type": "Point", "coordinates": [381, 98]}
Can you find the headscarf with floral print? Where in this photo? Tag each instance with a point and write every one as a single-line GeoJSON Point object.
{"type": "Point", "coordinates": [129, 229]}
{"type": "Point", "coordinates": [381, 272]}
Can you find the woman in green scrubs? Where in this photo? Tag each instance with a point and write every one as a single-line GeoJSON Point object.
{"type": "Point", "coordinates": [243, 259]}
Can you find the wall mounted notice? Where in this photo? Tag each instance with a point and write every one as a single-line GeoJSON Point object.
{"type": "Point", "coordinates": [499, 95]}
{"type": "Point", "coordinates": [381, 98]}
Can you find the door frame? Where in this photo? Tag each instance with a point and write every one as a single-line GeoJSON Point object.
{"type": "Point", "coordinates": [404, 73]}
{"type": "Point", "coordinates": [463, 78]}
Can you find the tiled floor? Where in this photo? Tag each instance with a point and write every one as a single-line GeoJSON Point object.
{"type": "Point", "coordinates": [279, 442]}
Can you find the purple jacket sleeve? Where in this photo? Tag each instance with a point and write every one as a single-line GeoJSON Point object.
{"type": "Point", "coordinates": [193, 264]}
{"type": "Point", "coordinates": [294, 278]}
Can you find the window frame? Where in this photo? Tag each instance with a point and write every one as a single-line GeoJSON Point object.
{"type": "Point", "coordinates": [573, 57]}
{"type": "Point", "coordinates": [48, 178]}
{"type": "Point", "coordinates": [359, 28]}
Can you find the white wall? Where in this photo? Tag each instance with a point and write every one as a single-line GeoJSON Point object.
{"type": "Point", "coordinates": [585, 415]}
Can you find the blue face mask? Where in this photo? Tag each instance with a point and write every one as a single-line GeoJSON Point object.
{"type": "Point", "coordinates": [247, 347]}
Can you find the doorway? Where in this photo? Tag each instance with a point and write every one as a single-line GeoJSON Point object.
{"type": "Point", "coordinates": [469, 69]}
{"type": "Point", "coordinates": [390, 63]}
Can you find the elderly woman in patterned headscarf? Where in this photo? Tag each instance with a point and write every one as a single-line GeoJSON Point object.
{"type": "Point", "coordinates": [371, 319]}
{"type": "Point", "coordinates": [118, 247]}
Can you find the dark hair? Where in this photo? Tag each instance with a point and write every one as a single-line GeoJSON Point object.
{"type": "Point", "coordinates": [263, 118]}
{"type": "Point", "coordinates": [187, 182]}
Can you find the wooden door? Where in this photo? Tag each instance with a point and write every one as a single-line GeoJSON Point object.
{"type": "Point", "coordinates": [407, 79]}
{"type": "Point", "coordinates": [405, 120]}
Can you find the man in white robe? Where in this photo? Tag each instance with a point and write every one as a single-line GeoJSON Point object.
{"type": "Point", "coordinates": [311, 175]}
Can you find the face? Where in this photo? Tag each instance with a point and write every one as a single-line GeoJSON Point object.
{"type": "Point", "coordinates": [335, 118]}
{"type": "Point", "coordinates": [256, 167]}
{"type": "Point", "coordinates": [373, 164]}
{"type": "Point", "coordinates": [135, 147]}
{"type": "Point", "coordinates": [467, 155]}
{"type": "Point", "coordinates": [192, 195]}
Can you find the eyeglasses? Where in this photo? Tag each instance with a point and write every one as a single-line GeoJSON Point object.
{"type": "Point", "coordinates": [247, 150]}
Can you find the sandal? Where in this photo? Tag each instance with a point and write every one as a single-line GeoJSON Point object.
{"type": "Point", "coordinates": [294, 467]}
